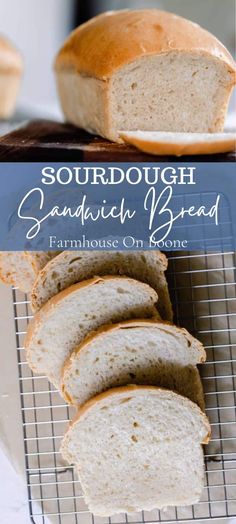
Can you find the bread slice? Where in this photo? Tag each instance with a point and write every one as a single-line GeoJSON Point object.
{"type": "Point", "coordinates": [11, 68]}
{"type": "Point", "coordinates": [67, 318]}
{"type": "Point", "coordinates": [138, 448]}
{"type": "Point", "coordinates": [178, 144]}
{"type": "Point", "coordinates": [20, 268]}
{"type": "Point", "coordinates": [134, 352]}
{"type": "Point", "coordinates": [70, 267]}
{"type": "Point", "coordinates": [150, 70]}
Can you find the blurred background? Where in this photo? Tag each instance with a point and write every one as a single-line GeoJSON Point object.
{"type": "Point", "coordinates": [39, 27]}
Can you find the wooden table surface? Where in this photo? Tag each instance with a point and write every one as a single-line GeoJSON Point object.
{"type": "Point", "coordinates": [44, 140]}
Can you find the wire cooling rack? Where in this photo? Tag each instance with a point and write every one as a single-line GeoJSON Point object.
{"type": "Point", "coordinates": [203, 289]}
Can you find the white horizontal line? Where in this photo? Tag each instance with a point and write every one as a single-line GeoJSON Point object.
{"type": "Point", "coordinates": [201, 255]}
{"type": "Point", "coordinates": [227, 330]}
{"type": "Point", "coordinates": [20, 302]}
{"type": "Point", "coordinates": [37, 377]}
{"type": "Point", "coordinates": [228, 361]}
{"type": "Point", "coordinates": [207, 300]}
{"type": "Point", "coordinates": [223, 439]}
{"type": "Point", "coordinates": [46, 499]}
{"type": "Point", "coordinates": [218, 377]}
{"type": "Point", "coordinates": [202, 286]}
{"type": "Point", "coordinates": [219, 392]}
{"type": "Point", "coordinates": [45, 422]}
{"type": "Point", "coordinates": [52, 469]}
{"type": "Point", "coordinates": [49, 437]}
{"type": "Point", "coordinates": [221, 423]}
{"type": "Point", "coordinates": [62, 513]}
{"type": "Point", "coordinates": [205, 270]}
{"type": "Point", "coordinates": [35, 408]}
{"type": "Point", "coordinates": [219, 408]}
{"type": "Point", "coordinates": [39, 392]}
{"type": "Point", "coordinates": [219, 315]}
{"type": "Point", "coordinates": [216, 346]}
{"type": "Point", "coordinates": [26, 317]}
{"type": "Point", "coordinates": [44, 484]}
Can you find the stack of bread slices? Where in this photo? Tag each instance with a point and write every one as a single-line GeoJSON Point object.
{"type": "Point", "coordinates": [103, 335]}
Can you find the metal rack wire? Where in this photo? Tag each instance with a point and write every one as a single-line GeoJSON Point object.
{"type": "Point", "coordinates": [203, 289]}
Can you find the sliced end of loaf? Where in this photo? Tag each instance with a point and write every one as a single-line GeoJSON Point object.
{"type": "Point", "coordinates": [150, 437]}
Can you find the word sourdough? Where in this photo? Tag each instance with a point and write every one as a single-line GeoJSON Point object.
{"type": "Point", "coordinates": [113, 175]}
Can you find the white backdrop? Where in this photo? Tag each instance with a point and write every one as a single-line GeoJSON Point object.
{"type": "Point", "coordinates": [218, 16]}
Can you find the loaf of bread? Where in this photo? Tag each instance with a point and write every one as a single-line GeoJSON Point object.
{"type": "Point", "coordinates": [134, 352]}
{"type": "Point", "coordinates": [178, 144]}
{"type": "Point", "coordinates": [138, 448]}
{"type": "Point", "coordinates": [144, 69]}
{"type": "Point", "coordinates": [67, 318]}
{"type": "Point", "coordinates": [70, 267]}
{"type": "Point", "coordinates": [20, 268]}
{"type": "Point", "coordinates": [11, 68]}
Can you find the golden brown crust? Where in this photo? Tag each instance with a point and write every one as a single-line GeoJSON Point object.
{"type": "Point", "coordinates": [52, 264]}
{"type": "Point", "coordinates": [127, 324]}
{"type": "Point", "coordinates": [133, 388]}
{"type": "Point", "coordinates": [178, 149]}
{"type": "Point", "coordinates": [111, 40]}
{"type": "Point", "coordinates": [10, 59]}
{"type": "Point", "coordinates": [52, 303]}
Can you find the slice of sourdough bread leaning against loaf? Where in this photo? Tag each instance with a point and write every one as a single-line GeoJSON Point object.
{"type": "Point", "coordinates": [66, 319]}
{"type": "Point", "coordinates": [20, 268]}
{"type": "Point", "coordinates": [150, 70]}
{"type": "Point", "coordinates": [138, 448]}
{"type": "Point", "coordinates": [178, 144]}
{"type": "Point", "coordinates": [134, 352]}
{"type": "Point", "coordinates": [70, 267]}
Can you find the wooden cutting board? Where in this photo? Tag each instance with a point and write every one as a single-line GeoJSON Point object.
{"type": "Point", "coordinates": [44, 140]}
